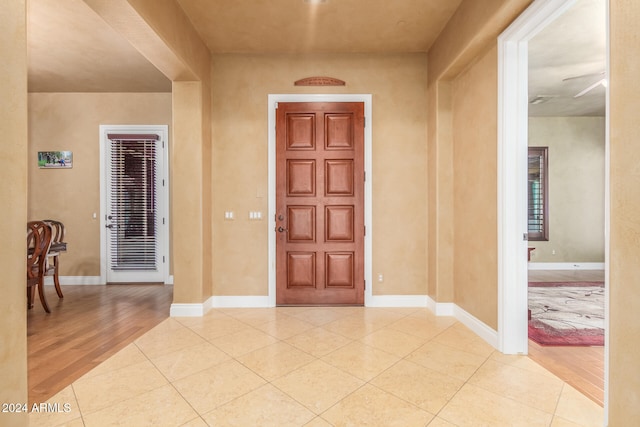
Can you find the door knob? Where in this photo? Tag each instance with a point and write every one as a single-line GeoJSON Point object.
{"type": "Point", "coordinates": [109, 226]}
{"type": "Point", "coordinates": [281, 229]}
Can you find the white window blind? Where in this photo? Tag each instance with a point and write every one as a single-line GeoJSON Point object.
{"type": "Point", "coordinates": [133, 203]}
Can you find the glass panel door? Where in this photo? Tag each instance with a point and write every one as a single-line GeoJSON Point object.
{"type": "Point", "coordinates": [132, 209]}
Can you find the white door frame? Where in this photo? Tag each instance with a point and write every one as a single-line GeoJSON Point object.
{"type": "Point", "coordinates": [272, 101]}
{"type": "Point", "coordinates": [163, 193]}
{"type": "Point", "coordinates": [513, 119]}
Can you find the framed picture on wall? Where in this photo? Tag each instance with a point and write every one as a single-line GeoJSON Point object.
{"type": "Point", "coordinates": [55, 159]}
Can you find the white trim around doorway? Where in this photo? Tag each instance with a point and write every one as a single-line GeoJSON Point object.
{"type": "Point", "coordinates": [273, 99]}
{"type": "Point", "coordinates": [512, 167]}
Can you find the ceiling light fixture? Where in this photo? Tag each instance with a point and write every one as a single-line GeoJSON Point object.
{"type": "Point", "coordinates": [538, 100]}
{"type": "Point", "coordinates": [315, 1]}
{"type": "Point", "coordinates": [602, 82]}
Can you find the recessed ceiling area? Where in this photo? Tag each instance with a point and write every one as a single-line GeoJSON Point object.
{"type": "Point", "coordinates": [71, 49]}
{"type": "Point", "coordinates": [334, 26]}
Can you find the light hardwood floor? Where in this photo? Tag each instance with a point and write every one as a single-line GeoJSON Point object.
{"type": "Point", "coordinates": [87, 326]}
{"type": "Point", "coordinates": [581, 367]}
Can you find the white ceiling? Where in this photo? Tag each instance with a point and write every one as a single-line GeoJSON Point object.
{"type": "Point", "coordinates": [71, 49]}
{"type": "Point", "coordinates": [574, 47]}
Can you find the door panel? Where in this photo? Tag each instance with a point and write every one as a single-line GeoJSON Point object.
{"type": "Point", "coordinates": [301, 178]}
{"type": "Point", "coordinates": [339, 177]}
{"type": "Point", "coordinates": [302, 224]}
{"type": "Point", "coordinates": [320, 203]}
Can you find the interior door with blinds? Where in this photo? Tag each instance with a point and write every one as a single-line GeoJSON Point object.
{"type": "Point", "coordinates": [133, 214]}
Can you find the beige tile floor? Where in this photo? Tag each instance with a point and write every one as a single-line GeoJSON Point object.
{"type": "Point", "coordinates": [318, 366]}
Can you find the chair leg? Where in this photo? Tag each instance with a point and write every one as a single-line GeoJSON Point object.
{"type": "Point", "coordinates": [30, 295]}
{"type": "Point", "coordinates": [56, 280]}
{"type": "Point", "coordinates": [43, 300]}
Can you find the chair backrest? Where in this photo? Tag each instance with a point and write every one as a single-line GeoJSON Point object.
{"type": "Point", "coordinates": [38, 243]}
{"type": "Point", "coordinates": [57, 230]}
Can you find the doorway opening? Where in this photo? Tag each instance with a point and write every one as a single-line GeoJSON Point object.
{"type": "Point", "coordinates": [513, 130]}
{"type": "Point", "coordinates": [567, 115]}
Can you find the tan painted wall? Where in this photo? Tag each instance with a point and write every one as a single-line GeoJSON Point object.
{"type": "Point", "coordinates": [624, 252]}
{"type": "Point", "coordinates": [192, 282]}
{"type": "Point", "coordinates": [576, 188]}
{"type": "Point", "coordinates": [13, 211]}
{"type": "Point", "coordinates": [470, 31]}
{"type": "Point", "coordinates": [398, 86]}
{"type": "Point", "coordinates": [70, 121]}
{"type": "Point", "coordinates": [462, 45]}
{"type": "Point", "coordinates": [475, 189]}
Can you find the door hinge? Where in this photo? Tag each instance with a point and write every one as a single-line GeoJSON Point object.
{"type": "Point", "coordinates": [162, 221]}
{"type": "Point", "coordinates": [163, 182]}
{"type": "Point", "coordinates": [365, 285]}
{"type": "Point", "coordinates": [364, 122]}
{"type": "Point", "coordinates": [163, 259]}
{"type": "Point", "coordinates": [365, 176]}
{"type": "Point", "coordinates": [525, 236]}
{"type": "Point", "coordinates": [162, 144]}
{"type": "Point", "coordinates": [365, 230]}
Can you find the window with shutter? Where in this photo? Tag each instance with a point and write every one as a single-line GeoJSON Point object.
{"type": "Point", "coordinates": [538, 212]}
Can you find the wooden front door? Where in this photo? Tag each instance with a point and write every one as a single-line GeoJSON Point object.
{"type": "Point", "coordinates": [320, 203]}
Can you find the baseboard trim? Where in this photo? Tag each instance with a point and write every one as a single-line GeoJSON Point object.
{"type": "Point", "coordinates": [477, 326]}
{"type": "Point", "coordinates": [256, 301]}
{"type": "Point", "coordinates": [192, 310]}
{"type": "Point", "coordinates": [75, 280]}
{"type": "Point", "coordinates": [440, 308]}
{"type": "Point", "coordinates": [198, 310]}
{"type": "Point", "coordinates": [187, 310]}
{"type": "Point", "coordinates": [397, 301]}
{"type": "Point", "coordinates": [566, 266]}
{"type": "Point", "coordinates": [85, 280]}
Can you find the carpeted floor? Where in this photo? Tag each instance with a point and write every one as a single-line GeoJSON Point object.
{"type": "Point", "coordinates": [567, 313]}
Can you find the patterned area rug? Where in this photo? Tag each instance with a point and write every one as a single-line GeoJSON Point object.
{"type": "Point", "coordinates": [567, 313]}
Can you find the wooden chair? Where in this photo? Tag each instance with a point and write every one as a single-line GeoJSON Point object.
{"type": "Point", "coordinates": [38, 242]}
{"type": "Point", "coordinates": [57, 245]}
